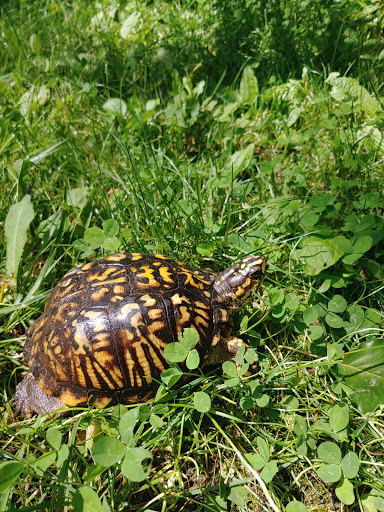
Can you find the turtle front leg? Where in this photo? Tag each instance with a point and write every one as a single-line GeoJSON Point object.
{"type": "Point", "coordinates": [225, 350]}
{"type": "Point", "coordinates": [30, 398]}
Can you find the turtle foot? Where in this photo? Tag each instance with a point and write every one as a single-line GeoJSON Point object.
{"type": "Point", "coordinates": [30, 398]}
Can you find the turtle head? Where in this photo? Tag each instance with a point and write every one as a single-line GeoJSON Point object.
{"type": "Point", "coordinates": [235, 286]}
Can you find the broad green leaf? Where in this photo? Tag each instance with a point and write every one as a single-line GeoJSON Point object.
{"type": "Point", "coordinates": [129, 24]}
{"type": "Point", "coordinates": [232, 382]}
{"type": "Point", "coordinates": [199, 88]}
{"type": "Point", "coordinates": [374, 316]}
{"type": "Point", "coordinates": [329, 452]}
{"type": "Point", "coordinates": [275, 296]}
{"type": "Point", "coordinates": [17, 222]}
{"type": "Point", "coordinates": [53, 436]}
{"type": "Point", "coordinates": [362, 244]}
{"type": "Point", "coordinates": [321, 309]}
{"type": "Point", "coordinates": [321, 426]}
{"type": "Point", "coordinates": [127, 424]}
{"type": "Point", "coordinates": [94, 236]}
{"type": "Point", "coordinates": [152, 104]}
{"type": "Point", "coordinates": [81, 245]}
{"type": "Point", "coordinates": [229, 368]}
{"type": "Point", "coordinates": [239, 242]}
{"type": "Point", "coordinates": [86, 499]}
{"type": "Point", "coordinates": [334, 320]}
{"type": "Point", "coordinates": [193, 360]}
{"type": "Point", "coordinates": [116, 107]}
{"type": "Point", "coordinates": [246, 402]}
{"type": "Point", "coordinates": [202, 401]}
{"type": "Point", "coordinates": [350, 259]}
{"type": "Point", "coordinates": [269, 471]}
{"type": "Point", "coordinates": [160, 408]}
{"type": "Point", "coordinates": [356, 315]}
{"type": "Point", "coordinates": [144, 413]}
{"type": "Point", "coordinates": [341, 436]}
{"type": "Point", "coordinates": [378, 502]}
{"type": "Point", "coordinates": [263, 448]}
{"type": "Point", "coordinates": [107, 451]}
{"type": "Point", "coordinates": [92, 472]}
{"type": "Point", "coordinates": [170, 376]}
{"type": "Point", "coordinates": [205, 249]}
{"type": "Point", "coordinates": [9, 472]}
{"type": "Point", "coordinates": [345, 87]}
{"type": "Point", "coordinates": [255, 460]}
{"type": "Point", "coordinates": [296, 506]}
{"type": "Point", "coordinates": [363, 371]}
{"type": "Point", "coordinates": [249, 88]}
{"type": "Point", "coordinates": [77, 197]}
{"type": "Point", "coordinates": [262, 400]}
{"type": "Point", "coordinates": [189, 338]}
{"type": "Point", "coordinates": [310, 218]}
{"type": "Point", "coordinates": [175, 352]}
{"type": "Point", "coordinates": [315, 332]}
{"type": "Point", "coordinates": [344, 491]}
{"type": "Point", "coordinates": [338, 282]}
{"type": "Point", "coordinates": [62, 455]}
{"type": "Point", "coordinates": [146, 175]}
{"type": "Point", "coordinates": [221, 503]}
{"type": "Point", "coordinates": [334, 351]}
{"type": "Point", "coordinates": [321, 201]}
{"type": "Point", "coordinates": [35, 96]}
{"type": "Point", "coordinates": [350, 464]}
{"type": "Point", "coordinates": [111, 243]}
{"type": "Point", "coordinates": [110, 227]}
{"type": "Point", "coordinates": [339, 417]}
{"type": "Point", "coordinates": [330, 473]}
{"type": "Point", "coordinates": [250, 355]}
{"type": "Point", "coordinates": [337, 304]}
{"type": "Point", "coordinates": [156, 421]}
{"type": "Point", "coordinates": [132, 467]}
{"type": "Point", "coordinates": [238, 495]}
{"type": "Point", "coordinates": [317, 254]}
{"type": "Point", "coordinates": [240, 159]}
{"type": "Point", "coordinates": [15, 170]}
{"type": "Point", "coordinates": [186, 207]}
{"type": "Point", "coordinates": [223, 114]}
{"type": "Point", "coordinates": [126, 233]}
{"type": "Point", "coordinates": [291, 301]}
{"type": "Point", "coordinates": [290, 403]}
{"type": "Point", "coordinates": [44, 462]}
{"type": "Point", "coordinates": [310, 315]}
{"type": "Point", "coordinates": [300, 427]}
{"type": "Point", "coordinates": [368, 503]}
{"type": "Point", "coordinates": [371, 138]}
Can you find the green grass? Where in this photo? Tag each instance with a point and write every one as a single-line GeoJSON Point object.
{"type": "Point", "coordinates": [204, 131]}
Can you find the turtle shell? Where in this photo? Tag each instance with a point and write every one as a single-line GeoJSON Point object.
{"type": "Point", "coordinates": [106, 323]}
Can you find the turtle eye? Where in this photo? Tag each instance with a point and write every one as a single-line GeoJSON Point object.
{"type": "Point", "coordinates": [260, 270]}
{"type": "Point", "coordinates": [256, 274]}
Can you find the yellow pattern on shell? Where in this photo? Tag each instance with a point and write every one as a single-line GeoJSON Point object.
{"type": "Point", "coordinates": [166, 274]}
{"type": "Point", "coordinates": [115, 257]}
{"type": "Point", "coordinates": [148, 301]}
{"type": "Point", "coordinates": [70, 399]}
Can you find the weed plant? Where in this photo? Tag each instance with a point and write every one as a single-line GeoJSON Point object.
{"type": "Point", "coordinates": [204, 131]}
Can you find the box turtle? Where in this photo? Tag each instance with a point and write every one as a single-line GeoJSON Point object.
{"type": "Point", "coordinates": [102, 335]}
